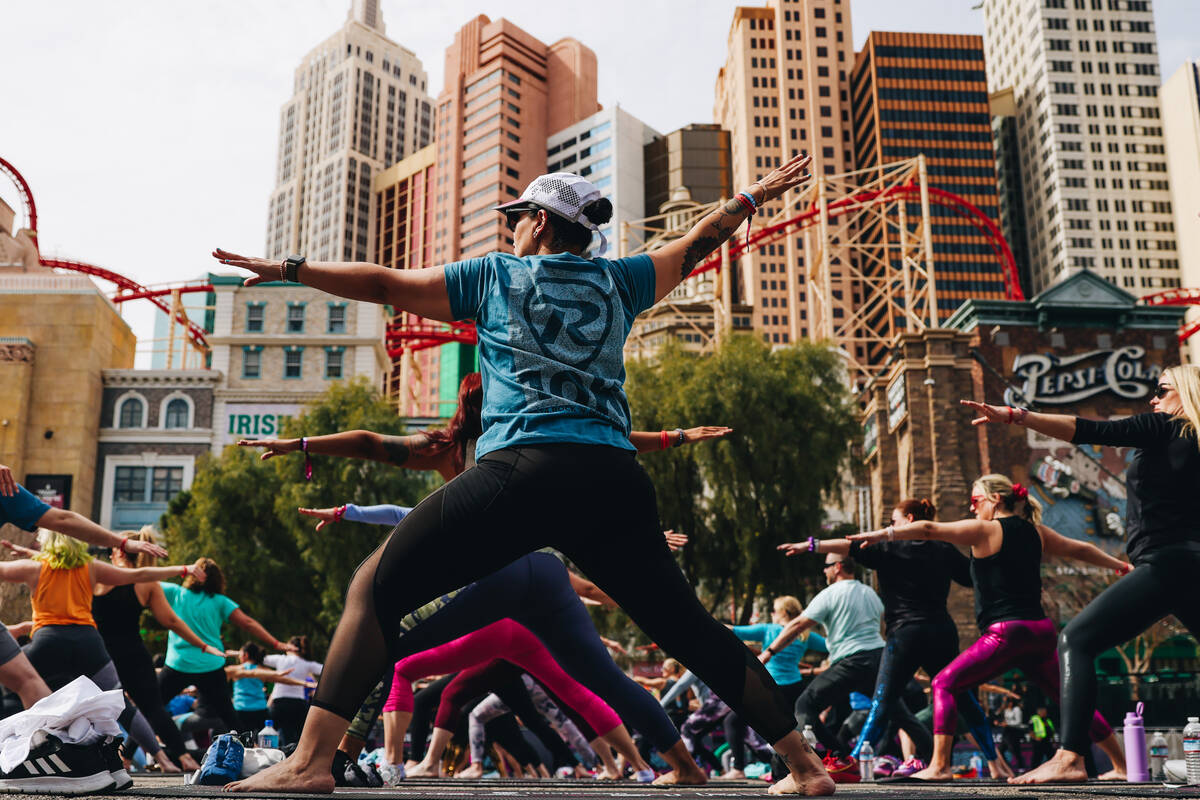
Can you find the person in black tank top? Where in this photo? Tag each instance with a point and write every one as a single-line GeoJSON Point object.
{"type": "Point", "coordinates": [1007, 542]}
{"type": "Point", "coordinates": [914, 582]}
{"type": "Point", "coordinates": [1163, 542]}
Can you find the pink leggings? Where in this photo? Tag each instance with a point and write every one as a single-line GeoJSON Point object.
{"type": "Point", "coordinates": [1028, 645]}
{"type": "Point", "coordinates": [512, 642]}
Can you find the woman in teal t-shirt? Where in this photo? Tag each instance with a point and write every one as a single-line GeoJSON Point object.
{"type": "Point", "coordinates": [249, 677]}
{"type": "Point", "coordinates": [205, 610]}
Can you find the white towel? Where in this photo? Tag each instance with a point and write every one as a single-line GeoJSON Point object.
{"type": "Point", "coordinates": [78, 713]}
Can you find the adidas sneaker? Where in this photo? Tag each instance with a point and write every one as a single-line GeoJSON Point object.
{"type": "Point", "coordinates": [53, 767]}
{"type": "Point", "coordinates": [111, 748]}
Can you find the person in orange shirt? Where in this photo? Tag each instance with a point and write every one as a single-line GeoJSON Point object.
{"type": "Point", "coordinates": [65, 642]}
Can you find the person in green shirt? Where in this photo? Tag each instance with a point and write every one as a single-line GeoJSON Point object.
{"type": "Point", "coordinates": [1042, 732]}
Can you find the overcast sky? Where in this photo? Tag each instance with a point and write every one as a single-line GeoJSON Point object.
{"type": "Point", "coordinates": [147, 129]}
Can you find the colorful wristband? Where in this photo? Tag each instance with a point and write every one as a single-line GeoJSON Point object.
{"type": "Point", "coordinates": [124, 541]}
{"type": "Point", "coordinates": [812, 544]}
{"type": "Point", "coordinates": [663, 440]}
{"type": "Point", "coordinates": [338, 513]}
{"type": "Point", "coordinates": [183, 572]}
{"type": "Point", "coordinates": [307, 458]}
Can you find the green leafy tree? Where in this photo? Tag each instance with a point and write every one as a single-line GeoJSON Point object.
{"type": "Point", "coordinates": [793, 422]}
{"type": "Point", "coordinates": [241, 512]}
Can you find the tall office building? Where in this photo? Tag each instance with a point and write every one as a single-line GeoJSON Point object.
{"type": "Point", "coordinates": [505, 93]}
{"type": "Point", "coordinates": [607, 148]}
{"type": "Point", "coordinates": [695, 157]}
{"type": "Point", "coordinates": [1085, 81]}
{"type": "Point", "coordinates": [919, 93]}
{"type": "Point", "coordinates": [359, 105]}
{"type": "Point", "coordinates": [785, 89]}
{"type": "Point", "coordinates": [1009, 191]}
{"type": "Point", "coordinates": [1181, 119]}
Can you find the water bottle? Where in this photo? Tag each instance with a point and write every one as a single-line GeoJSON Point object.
{"type": "Point", "coordinates": [866, 763]}
{"type": "Point", "coordinates": [810, 736]}
{"type": "Point", "coordinates": [1191, 750]}
{"type": "Point", "coordinates": [1158, 757]}
{"type": "Point", "coordinates": [268, 736]}
{"type": "Point", "coordinates": [1136, 770]}
{"type": "Point", "coordinates": [977, 764]}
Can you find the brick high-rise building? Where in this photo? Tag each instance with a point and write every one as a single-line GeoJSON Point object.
{"type": "Point", "coordinates": [785, 89]}
{"type": "Point", "coordinates": [1085, 81]}
{"type": "Point", "coordinates": [360, 104]}
{"type": "Point", "coordinates": [915, 93]}
{"type": "Point", "coordinates": [505, 93]}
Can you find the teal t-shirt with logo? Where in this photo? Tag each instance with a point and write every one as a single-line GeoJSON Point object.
{"type": "Point", "coordinates": [552, 333]}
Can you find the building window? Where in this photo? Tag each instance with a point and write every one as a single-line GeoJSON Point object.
{"type": "Point", "coordinates": [293, 359]}
{"type": "Point", "coordinates": [337, 318]}
{"type": "Point", "coordinates": [130, 485]}
{"type": "Point", "coordinates": [334, 357]}
{"type": "Point", "coordinates": [132, 414]}
{"type": "Point", "coordinates": [251, 362]}
{"type": "Point", "coordinates": [255, 312]}
{"type": "Point", "coordinates": [295, 318]}
{"type": "Point", "coordinates": [177, 414]}
{"type": "Point", "coordinates": [147, 484]}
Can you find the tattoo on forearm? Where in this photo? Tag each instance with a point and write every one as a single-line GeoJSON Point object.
{"type": "Point", "coordinates": [397, 451]}
{"type": "Point", "coordinates": [717, 227]}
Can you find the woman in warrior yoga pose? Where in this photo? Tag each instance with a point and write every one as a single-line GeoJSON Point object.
{"type": "Point", "coordinates": [1163, 543]}
{"type": "Point", "coordinates": [554, 463]}
{"type": "Point", "coordinates": [1007, 542]}
{"type": "Point", "coordinates": [65, 645]}
{"type": "Point", "coordinates": [914, 580]}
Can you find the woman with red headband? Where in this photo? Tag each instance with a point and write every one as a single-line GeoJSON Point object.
{"type": "Point", "coordinates": [1007, 542]}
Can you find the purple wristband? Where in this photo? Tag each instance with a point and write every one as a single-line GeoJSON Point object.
{"type": "Point", "coordinates": [307, 458]}
{"type": "Point", "coordinates": [812, 544]}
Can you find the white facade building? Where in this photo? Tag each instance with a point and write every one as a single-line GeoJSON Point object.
{"type": "Point", "coordinates": [360, 105]}
{"type": "Point", "coordinates": [607, 148]}
{"type": "Point", "coordinates": [1181, 120]}
{"type": "Point", "coordinates": [1085, 78]}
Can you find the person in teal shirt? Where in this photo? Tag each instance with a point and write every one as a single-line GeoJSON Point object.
{"type": "Point", "coordinates": [205, 609]}
{"type": "Point", "coordinates": [249, 678]}
{"type": "Point", "coordinates": [784, 668]}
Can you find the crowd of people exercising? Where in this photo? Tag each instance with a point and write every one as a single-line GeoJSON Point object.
{"type": "Point", "coordinates": [476, 585]}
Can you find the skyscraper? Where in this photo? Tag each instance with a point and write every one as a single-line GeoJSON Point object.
{"type": "Point", "coordinates": [785, 89]}
{"type": "Point", "coordinates": [360, 104]}
{"type": "Point", "coordinates": [1181, 118]}
{"type": "Point", "coordinates": [695, 157]}
{"type": "Point", "coordinates": [921, 93]}
{"type": "Point", "coordinates": [505, 93]}
{"type": "Point", "coordinates": [1085, 80]}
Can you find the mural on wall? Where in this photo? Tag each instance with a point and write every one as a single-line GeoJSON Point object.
{"type": "Point", "coordinates": [1080, 496]}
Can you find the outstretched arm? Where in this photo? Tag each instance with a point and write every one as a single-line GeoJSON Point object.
{"type": "Point", "coordinates": [814, 545]}
{"type": "Point", "coordinates": [786, 636]}
{"type": "Point", "coordinates": [119, 576]}
{"type": "Point", "coordinates": [1055, 544]}
{"type": "Point", "coordinates": [400, 451]}
{"type": "Point", "coordinates": [1056, 426]}
{"type": "Point", "coordinates": [967, 532]}
{"type": "Point", "coordinates": [156, 601]}
{"type": "Point", "coordinates": [418, 291]}
{"type": "Point", "coordinates": [675, 261]}
{"type": "Point", "coordinates": [253, 627]}
{"type": "Point", "coordinates": [82, 528]}
{"type": "Point", "coordinates": [648, 441]}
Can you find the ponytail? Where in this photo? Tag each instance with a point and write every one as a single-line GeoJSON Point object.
{"type": "Point", "coordinates": [917, 509]}
{"type": "Point", "coordinates": [1012, 497]}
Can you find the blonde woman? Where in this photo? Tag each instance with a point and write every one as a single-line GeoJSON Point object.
{"type": "Point", "coordinates": [62, 577]}
{"type": "Point", "coordinates": [1007, 542]}
{"type": "Point", "coordinates": [118, 611]}
{"type": "Point", "coordinates": [1163, 481]}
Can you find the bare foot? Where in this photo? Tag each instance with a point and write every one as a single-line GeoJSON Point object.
{"type": "Point", "coordinates": [608, 775]}
{"type": "Point", "coordinates": [933, 774]}
{"type": "Point", "coordinates": [188, 763]}
{"type": "Point", "coordinates": [286, 776]}
{"type": "Point", "coordinates": [683, 777]}
{"type": "Point", "coordinates": [814, 786]}
{"type": "Point", "coordinates": [423, 770]}
{"type": "Point", "coordinates": [1064, 767]}
{"type": "Point", "coordinates": [473, 771]}
{"type": "Point", "coordinates": [999, 768]}
{"type": "Point", "coordinates": [1114, 774]}
{"type": "Point", "coordinates": [732, 775]}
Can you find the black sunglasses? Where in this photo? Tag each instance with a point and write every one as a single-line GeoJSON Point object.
{"type": "Point", "coordinates": [513, 215]}
{"type": "Point", "coordinates": [1162, 390]}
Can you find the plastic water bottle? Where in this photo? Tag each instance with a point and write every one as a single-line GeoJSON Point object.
{"type": "Point", "coordinates": [1136, 769]}
{"type": "Point", "coordinates": [810, 736]}
{"type": "Point", "coordinates": [1158, 757]}
{"type": "Point", "coordinates": [268, 736]}
{"type": "Point", "coordinates": [866, 763]}
{"type": "Point", "coordinates": [1191, 750]}
{"type": "Point", "coordinates": [977, 764]}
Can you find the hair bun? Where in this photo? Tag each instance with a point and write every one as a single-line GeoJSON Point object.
{"type": "Point", "coordinates": [928, 508]}
{"type": "Point", "coordinates": [599, 211]}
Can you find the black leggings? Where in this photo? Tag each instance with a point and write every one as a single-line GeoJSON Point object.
{"type": "Point", "coordinates": [930, 646]}
{"type": "Point", "coordinates": [595, 504]}
{"type": "Point", "coordinates": [425, 706]}
{"type": "Point", "coordinates": [136, 670]}
{"type": "Point", "coordinates": [214, 699]}
{"type": "Point", "coordinates": [288, 714]}
{"type": "Point", "coordinates": [735, 726]}
{"type": "Point", "coordinates": [854, 673]}
{"type": "Point", "coordinates": [1161, 584]}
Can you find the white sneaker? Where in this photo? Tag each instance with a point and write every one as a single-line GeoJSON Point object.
{"type": "Point", "coordinates": [392, 774]}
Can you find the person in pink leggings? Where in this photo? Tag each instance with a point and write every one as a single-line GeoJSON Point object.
{"type": "Point", "coordinates": [508, 640]}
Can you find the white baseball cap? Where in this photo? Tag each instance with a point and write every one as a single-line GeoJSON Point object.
{"type": "Point", "coordinates": [563, 193]}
